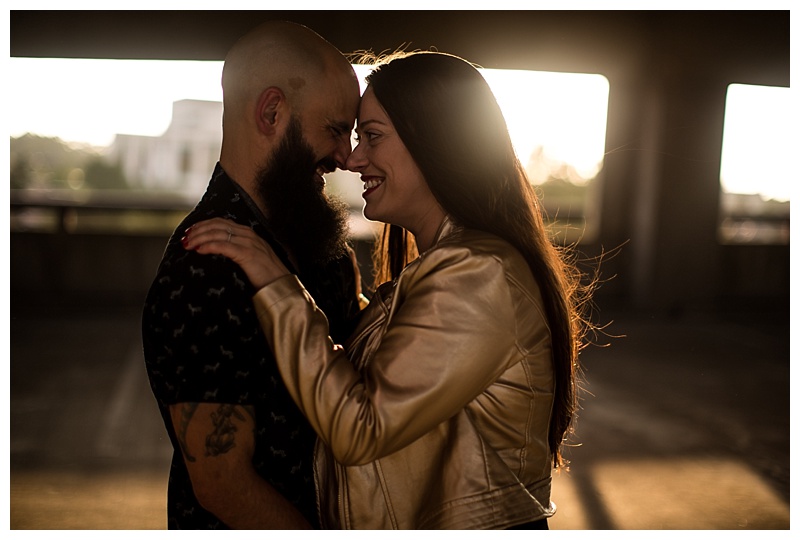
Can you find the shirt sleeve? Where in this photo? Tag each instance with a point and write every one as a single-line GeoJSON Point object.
{"type": "Point", "coordinates": [204, 341]}
{"type": "Point", "coordinates": [451, 335]}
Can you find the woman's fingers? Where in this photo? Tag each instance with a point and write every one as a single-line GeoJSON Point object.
{"type": "Point", "coordinates": [219, 223]}
{"type": "Point", "coordinates": [215, 230]}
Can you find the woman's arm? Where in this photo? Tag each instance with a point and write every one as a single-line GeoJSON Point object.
{"type": "Point", "coordinates": [451, 336]}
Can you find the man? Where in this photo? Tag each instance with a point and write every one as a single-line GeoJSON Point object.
{"type": "Point", "coordinates": [242, 450]}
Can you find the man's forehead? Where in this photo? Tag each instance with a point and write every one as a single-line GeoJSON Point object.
{"type": "Point", "coordinates": [340, 91]}
{"type": "Point", "coordinates": [332, 109]}
{"type": "Point", "coordinates": [346, 113]}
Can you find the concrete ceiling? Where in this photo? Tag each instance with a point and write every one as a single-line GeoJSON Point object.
{"type": "Point", "coordinates": [753, 44]}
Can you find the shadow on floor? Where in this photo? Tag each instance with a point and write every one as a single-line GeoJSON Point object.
{"type": "Point", "coordinates": [685, 425]}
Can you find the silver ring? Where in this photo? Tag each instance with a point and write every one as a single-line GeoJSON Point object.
{"type": "Point", "coordinates": [230, 234]}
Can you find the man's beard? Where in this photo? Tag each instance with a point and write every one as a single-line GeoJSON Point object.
{"type": "Point", "coordinates": [310, 225]}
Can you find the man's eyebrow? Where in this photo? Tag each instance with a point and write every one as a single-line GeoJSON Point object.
{"type": "Point", "coordinates": [341, 126]}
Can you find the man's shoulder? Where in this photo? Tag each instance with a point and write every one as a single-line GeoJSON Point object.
{"type": "Point", "coordinates": [200, 279]}
{"type": "Point", "coordinates": [179, 264]}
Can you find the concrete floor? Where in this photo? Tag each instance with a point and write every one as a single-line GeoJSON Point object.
{"type": "Point", "coordinates": [685, 426]}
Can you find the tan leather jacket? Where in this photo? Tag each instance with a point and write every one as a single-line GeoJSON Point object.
{"type": "Point", "coordinates": [435, 414]}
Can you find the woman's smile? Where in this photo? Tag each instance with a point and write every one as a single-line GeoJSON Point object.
{"type": "Point", "coordinates": [371, 183]}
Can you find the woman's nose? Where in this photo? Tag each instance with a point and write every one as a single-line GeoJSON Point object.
{"type": "Point", "coordinates": [356, 160]}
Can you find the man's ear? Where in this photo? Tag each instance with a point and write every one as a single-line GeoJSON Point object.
{"type": "Point", "coordinates": [270, 110]}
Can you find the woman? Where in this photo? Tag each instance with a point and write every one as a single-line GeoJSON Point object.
{"type": "Point", "coordinates": [448, 406]}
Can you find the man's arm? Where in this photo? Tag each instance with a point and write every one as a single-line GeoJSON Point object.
{"type": "Point", "coordinates": [218, 444]}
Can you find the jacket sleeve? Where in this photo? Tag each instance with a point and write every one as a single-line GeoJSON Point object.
{"type": "Point", "coordinates": [451, 334]}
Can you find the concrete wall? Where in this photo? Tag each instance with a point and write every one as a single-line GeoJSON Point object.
{"type": "Point", "coordinates": [98, 269]}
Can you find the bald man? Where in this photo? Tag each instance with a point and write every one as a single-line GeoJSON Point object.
{"type": "Point", "coordinates": [242, 450]}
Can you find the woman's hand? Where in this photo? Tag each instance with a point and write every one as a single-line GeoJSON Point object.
{"type": "Point", "coordinates": [238, 243]}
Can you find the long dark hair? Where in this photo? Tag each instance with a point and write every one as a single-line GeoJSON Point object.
{"type": "Point", "coordinates": [449, 120]}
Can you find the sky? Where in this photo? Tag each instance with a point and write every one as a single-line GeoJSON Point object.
{"type": "Point", "coordinates": [91, 101]}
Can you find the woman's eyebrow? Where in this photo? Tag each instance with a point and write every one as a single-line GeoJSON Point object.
{"type": "Point", "coordinates": [368, 122]}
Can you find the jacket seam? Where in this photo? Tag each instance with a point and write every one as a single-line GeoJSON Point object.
{"type": "Point", "coordinates": [386, 495]}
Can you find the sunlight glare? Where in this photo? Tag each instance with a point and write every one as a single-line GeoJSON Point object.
{"type": "Point", "coordinates": [560, 115]}
{"type": "Point", "coordinates": [564, 114]}
{"type": "Point", "coordinates": [757, 142]}
{"type": "Point", "coordinates": [90, 101]}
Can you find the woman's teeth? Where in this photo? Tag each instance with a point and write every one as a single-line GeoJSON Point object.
{"type": "Point", "coordinates": [372, 183]}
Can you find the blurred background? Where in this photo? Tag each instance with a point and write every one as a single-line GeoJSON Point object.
{"type": "Point", "coordinates": [663, 145]}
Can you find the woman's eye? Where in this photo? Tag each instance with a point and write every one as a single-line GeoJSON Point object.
{"type": "Point", "coordinates": [367, 136]}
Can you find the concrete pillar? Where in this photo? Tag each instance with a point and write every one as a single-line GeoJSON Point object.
{"type": "Point", "coordinates": [660, 187]}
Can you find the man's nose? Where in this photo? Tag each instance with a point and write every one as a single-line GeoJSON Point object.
{"type": "Point", "coordinates": [342, 153]}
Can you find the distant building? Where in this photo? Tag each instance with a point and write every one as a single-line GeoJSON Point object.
{"type": "Point", "coordinates": [182, 159]}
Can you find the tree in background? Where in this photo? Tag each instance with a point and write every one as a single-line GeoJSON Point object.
{"type": "Point", "coordinates": [100, 174]}
{"type": "Point", "coordinates": [50, 163]}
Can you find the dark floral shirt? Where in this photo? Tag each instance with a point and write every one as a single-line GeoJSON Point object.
{"type": "Point", "coordinates": [202, 343]}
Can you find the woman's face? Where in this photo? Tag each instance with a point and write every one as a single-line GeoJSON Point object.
{"type": "Point", "coordinates": [394, 188]}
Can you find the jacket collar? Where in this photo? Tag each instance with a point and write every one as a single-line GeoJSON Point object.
{"type": "Point", "coordinates": [447, 227]}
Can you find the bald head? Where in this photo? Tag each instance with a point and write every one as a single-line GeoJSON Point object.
{"type": "Point", "coordinates": [280, 75]}
{"type": "Point", "coordinates": [284, 55]}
